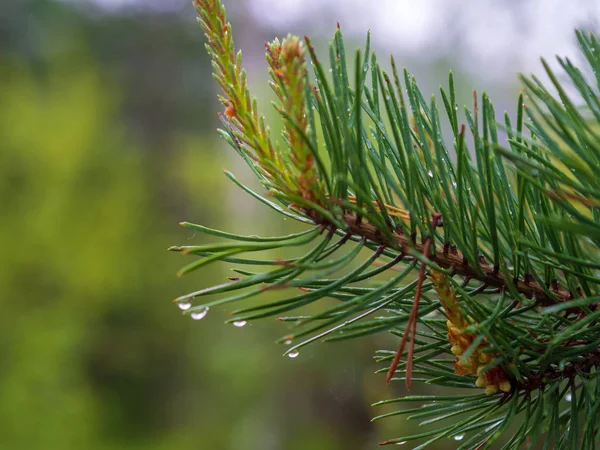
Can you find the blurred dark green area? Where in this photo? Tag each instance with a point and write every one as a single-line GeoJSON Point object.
{"type": "Point", "coordinates": [107, 141]}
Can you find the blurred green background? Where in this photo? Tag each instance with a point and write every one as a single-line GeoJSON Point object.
{"type": "Point", "coordinates": [107, 141]}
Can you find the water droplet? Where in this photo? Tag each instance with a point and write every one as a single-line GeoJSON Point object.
{"type": "Point", "coordinates": [568, 397]}
{"type": "Point", "coordinates": [239, 323]}
{"type": "Point", "coordinates": [293, 354]}
{"type": "Point", "coordinates": [184, 305]}
{"type": "Point", "coordinates": [288, 342]}
{"type": "Point", "coordinates": [200, 314]}
{"type": "Point", "coordinates": [459, 437]}
{"type": "Point", "coordinates": [430, 173]}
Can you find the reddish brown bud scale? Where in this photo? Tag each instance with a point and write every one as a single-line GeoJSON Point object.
{"type": "Point", "coordinates": [230, 112]}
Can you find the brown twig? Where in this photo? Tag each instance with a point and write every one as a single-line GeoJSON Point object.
{"type": "Point", "coordinates": [411, 325]}
{"type": "Point", "coordinates": [455, 261]}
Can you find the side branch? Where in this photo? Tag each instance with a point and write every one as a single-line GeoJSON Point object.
{"type": "Point", "coordinates": [538, 380]}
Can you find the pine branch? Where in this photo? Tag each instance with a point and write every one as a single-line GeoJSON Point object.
{"type": "Point", "coordinates": [457, 264]}
{"type": "Point", "coordinates": [364, 162]}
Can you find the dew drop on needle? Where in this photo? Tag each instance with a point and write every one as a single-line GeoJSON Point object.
{"type": "Point", "coordinates": [199, 314]}
{"type": "Point", "coordinates": [184, 305]}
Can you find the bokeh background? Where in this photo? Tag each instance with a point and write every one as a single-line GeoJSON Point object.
{"type": "Point", "coordinates": [107, 141]}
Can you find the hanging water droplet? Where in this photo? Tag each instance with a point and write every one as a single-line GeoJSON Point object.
{"type": "Point", "coordinates": [184, 305]}
{"type": "Point", "coordinates": [199, 314]}
{"type": "Point", "coordinates": [459, 437]}
{"type": "Point", "coordinates": [239, 323]}
{"type": "Point", "coordinates": [293, 354]}
{"type": "Point", "coordinates": [288, 342]}
{"type": "Point", "coordinates": [568, 397]}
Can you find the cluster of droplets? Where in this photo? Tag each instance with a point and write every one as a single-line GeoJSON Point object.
{"type": "Point", "coordinates": [186, 304]}
{"type": "Point", "coordinates": [292, 354]}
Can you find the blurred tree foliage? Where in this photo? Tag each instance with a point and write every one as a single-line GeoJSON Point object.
{"type": "Point", "coordinates": [75, 204]}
